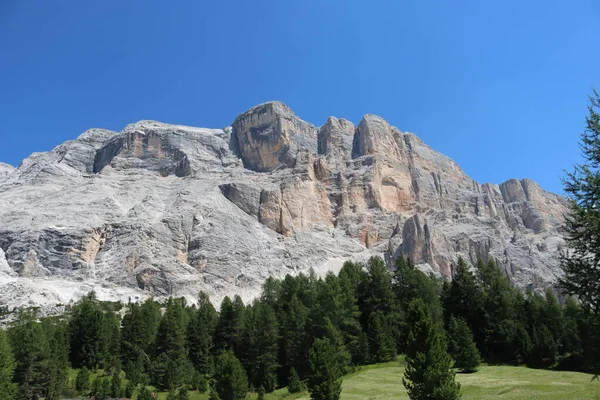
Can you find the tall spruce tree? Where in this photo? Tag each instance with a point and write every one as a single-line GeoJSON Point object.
{"type": "Point", "coordinates": [32, 354]}
{"type": "Point", "coordinates": [58, 363]}
{"type": "Point", "coordinates": [462, 346]}
{"type": "Point", "coordinates": [581, 261]}
{"type": "Point", "coordinates": [231, 382]}
{"type": "Point", "coordinates": [200, 335]}
{"type": "Point", "coordinates": [85, 332]}
{"type": "Point", "coordinates": [325, 378]}
{"type": "Point", "coordinates": [428, 373]}
{"type": "Point", "coordinates": [7, 368]}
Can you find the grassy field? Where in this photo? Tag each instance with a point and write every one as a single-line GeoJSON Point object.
{"type": "Point", "coordinates": [384, 381]}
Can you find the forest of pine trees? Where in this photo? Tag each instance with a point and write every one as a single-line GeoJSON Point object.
{"type": "Point", "coordinates": [303, 331]}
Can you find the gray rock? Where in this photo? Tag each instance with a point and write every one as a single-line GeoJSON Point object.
{"type": "Point", "coordinates": [161, 209]}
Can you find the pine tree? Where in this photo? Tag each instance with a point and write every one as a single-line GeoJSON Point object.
{"type": "Point", "coordinates": [260, 393]}
{"type": "Point", "coordinates": [200, 335]}
{"type": "Point", "coordinates": [295, 340]}
{"type": "Point", "coordinates": [85, 331]}
{"type": "Point", "coordinates": [581, 262]}
{"type": "Point", "coordinates": [231, 382]}
{"type": "Point", "coordinates": [465, 299]}
{"type": "Point", "coordinates": [382, 345]}
{"type": "Point", "coordinates": [58, 363]}
{"type": "Point", "coordinates": [582, 224]}
{"type": "Point", "coordinates": [230, 324]}
{"type": "Point", "coordinates": [144, 394]}
{"type": "Point", "coordinates": [82, 381]}
{"type": "Point", "coordinates": [129, 389]}
{"type": "Point", "coordinates": [212, 394]}
{"type": "Point", "coordinates": [32, 354]}
{"type": "Point", "coordinates": [294, 382]}
{"type": "Point", "coordinates": [7, 368]}
{"type": "Point", "coordinates": [116, 388]}
{"type": "Point", "coordinates": [325, 379]}
{"type": "Point", "coordinates": [462, 346]}
{"type": "Point", "coordinates": [428, 373]}
{"type": "Point", "coordinates": [260, 345]}
{"type": "Point", "coordinates": [183, 394]}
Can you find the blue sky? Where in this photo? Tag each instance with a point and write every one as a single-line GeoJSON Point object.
{"type": "Point", "coordinates": [499, 86]}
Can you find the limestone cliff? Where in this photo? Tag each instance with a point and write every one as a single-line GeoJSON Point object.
{"type": "Point", "coordinates": [166, 209]}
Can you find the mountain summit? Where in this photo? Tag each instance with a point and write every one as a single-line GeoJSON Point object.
{"type": "Point", "coordinates": [170, 210]}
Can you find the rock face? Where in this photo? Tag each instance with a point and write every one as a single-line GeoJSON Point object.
{"type": "Point", "coordinates": [170, 210]}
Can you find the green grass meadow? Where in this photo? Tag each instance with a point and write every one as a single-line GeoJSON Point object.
{"type": "Point", "coordinates": [384, 381]}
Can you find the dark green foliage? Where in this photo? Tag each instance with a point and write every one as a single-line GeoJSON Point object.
{"type": "Point", "coordinates": [116, 385]}
{"type": "Point", "coordinates": [7, 368]}
{"type": "Point", "coordinates": [200, 335]}
{"type": "Point", "coordinates": [172, 395]}
{"type": "Point", "coordinates": [183, 394]}
{"type": "Point", "coordinates": [144, 394]}
{"type": "Point", "coordinates": [294, 382]}
{"type": "Point", "coordinates": [465, 299]}
{"type": "Point", "coordinates": [129, 389]}
{"type": "Point", "coordinates": [230, 324]}
{"type": "Point", "coordinates": [200, 383]}
{"type": "Point", "coordinates": [325, 379]}
{"type": "Point", "coordinates": [32, 354]}
{"type": "Point", "coordinates": [259, 346]}
{"type": "Point", "coordinates": [260, 393]}
{"type": "Point", "coordinates": [582, 224]}
{"type": "Point", "coordinates": [231, 382]}
{"type": "Point", "coordinates": [382, 346]}
{"type": "Point", "coordinates": [428, 373]}
{"type": "Point", "coordinates": [138, 332]}
{"type": "Point", "coordinates": [581, 262]}
{"type": "Point", "coordinates": [82, 381]}
{"type": "Point", "coordinates": [212, 394]}
{"type": "Point", "coordinates": [85, 332]}
{"type": "Point", "coordinates": [134, 370]}
{"type": "Point", "coordinates": [58, 364]}
{"type": "Point", "coordinates": [462, 346]}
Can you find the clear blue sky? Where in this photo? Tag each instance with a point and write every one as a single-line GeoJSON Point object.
{"type": "Point", "coordinates": [499, 86]}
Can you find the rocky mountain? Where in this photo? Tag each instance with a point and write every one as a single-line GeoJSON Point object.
{"type": "Point", "coordinates": [167, 209]}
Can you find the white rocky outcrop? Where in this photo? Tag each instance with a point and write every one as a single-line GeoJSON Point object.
{"type": "Point", "coordinates": [170, 210]}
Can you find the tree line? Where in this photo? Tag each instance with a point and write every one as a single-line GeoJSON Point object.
{"type": "Point", "coordinates": [303, 331]}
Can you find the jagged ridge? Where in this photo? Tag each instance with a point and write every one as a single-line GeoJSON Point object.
{"type": "Point", "coordinates": [169, 209]}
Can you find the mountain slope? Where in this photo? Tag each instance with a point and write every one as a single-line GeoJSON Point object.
{"type": "Point", "coordinates": [167, 209]}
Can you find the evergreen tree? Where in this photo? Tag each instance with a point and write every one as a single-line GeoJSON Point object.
{"type": "Point", "coordinates": [58, 363]}
{"type": "Point", "coordinates": [111, 334]}
{"type": "Point", "coordinates": [260, 393]}
{"type": "Point", "coordinates": [116, 388]}
{"type": "Point", "coordinates": [144, 394]}
{"type": "Point", "coordinates": [572, 317]}
{"type": "Point", "coordinates": [465, 299]}
{"type": "Point", "coordinates": [325, 379]}
{"type": "Point", "coordinates": [294, 382]}
{"type": "Point", "coordinates": [581, 262]}
{"type": "Point", "coordinates": [32, 354]}
{"type": "Point", "coordinates": [7, 368]}
{"type": "Point", "coordinates": [462, 346]}
{"type": "Point", "coordinates": [85, 331]}
{"type": "Point", "coordinates": [82, 381]}
{"type": "Point", "coordinates": [183, 394]}
{"type": "Point", "coordinates": [382, 346]}
{"type": "Point", "coordinates": [582, 225]}
{"type": "Point", "coordinates": [260, 346]}
{"type": "Point", "coordinates": [231, 382]}
{"type": "Point", "coordinates": [200, 335]}
{"type": "Point", "coordinates": [428, 373]}
{"type": "Point", "coordinates": [230, 324]}
{"type": "Point", "coordinates": [200, 383]}
{"type": "Point", "coordinates": [129, 389]}
{"type": "Point", "coordinates": [295, 339]}
{"type": "Point", "coordinates": [212, 393]}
